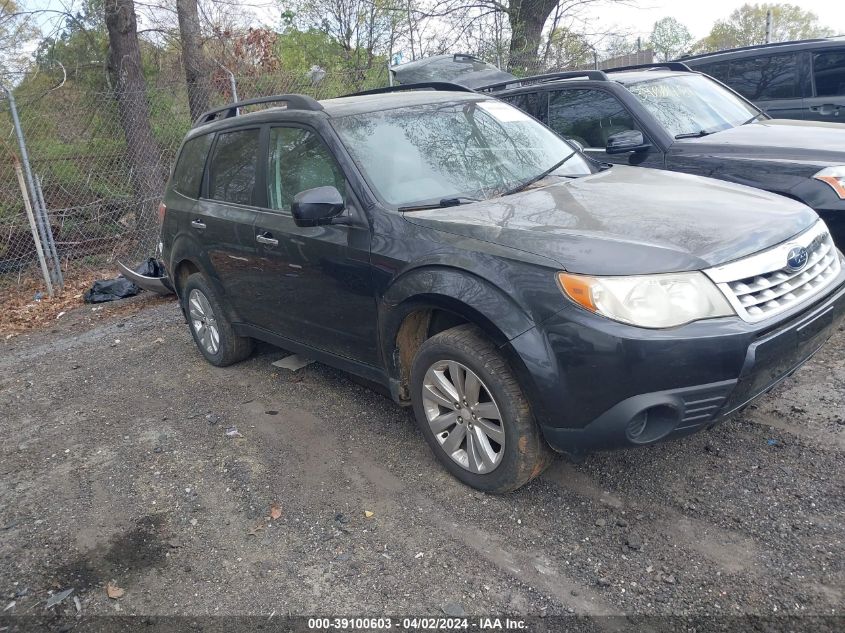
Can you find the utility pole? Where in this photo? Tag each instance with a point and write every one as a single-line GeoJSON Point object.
{"type": "Point", "coordinates": [769, 26]}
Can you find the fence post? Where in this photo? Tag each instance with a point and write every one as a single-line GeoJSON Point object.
{"type": "Point", "coordinates": [40, 212]}
{"type": "Point", "coordinates": [59, 278]}
{"type": "Point", "coordinates": [35, 238]}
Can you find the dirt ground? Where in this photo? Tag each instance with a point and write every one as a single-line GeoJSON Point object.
{"type": "Point", "coordinates": [117, 474]}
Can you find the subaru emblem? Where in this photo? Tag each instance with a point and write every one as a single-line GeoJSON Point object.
{"type": "Point", "coordinates": [797, 258]}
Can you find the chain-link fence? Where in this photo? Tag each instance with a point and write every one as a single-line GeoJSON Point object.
{"type": "Point", "coordinates": [102, 174]}
{"type": "Point", "coordinates": [101, 162]}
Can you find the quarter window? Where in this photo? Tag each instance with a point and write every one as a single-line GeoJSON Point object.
{"type": "Point", "coordinates": [187, 176]}
{"type": "Point", "coordinates": [299, 160]}
{"type": "Point", "coordinates": [588, 116]}
{"type": "Point", "coordinates": [765, 77]}
{"type": "Point", "coordinates": [233, 167]}
{"type": "Point", "coordinates": [829, 73]}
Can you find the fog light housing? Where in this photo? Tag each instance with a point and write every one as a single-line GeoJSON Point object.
{"type": "Point", "coordinates": [652, 424]}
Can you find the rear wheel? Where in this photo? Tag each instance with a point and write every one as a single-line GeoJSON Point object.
{"type": "Point", "coordinates": [211, 329]}
{"type": "Point", "coordinates": [473, 413]}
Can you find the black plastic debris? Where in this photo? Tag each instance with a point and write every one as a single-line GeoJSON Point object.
{"type": "Point", "coordinates": [151, 267]}
{"type": "Point", "coordinates": [105, 290]}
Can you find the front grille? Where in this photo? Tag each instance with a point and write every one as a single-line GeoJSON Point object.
{"type": "Point", "coordinates": [763, 285]}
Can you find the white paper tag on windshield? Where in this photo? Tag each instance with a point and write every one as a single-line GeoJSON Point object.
{"type": "Point", "coordinates": [503, 112]}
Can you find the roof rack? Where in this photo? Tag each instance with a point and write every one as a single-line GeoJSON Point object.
{"type": "Point", "coordinates": [294, 102]}
{"type": "Point", "coordinates": [677, 66]}
{"type": "Point", "coordinates": [444, 86]}
{"type": "Point", "coordinates": [594, 75]}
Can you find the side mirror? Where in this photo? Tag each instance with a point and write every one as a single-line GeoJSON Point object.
{"type": "Point", "coordinates": [576, 144]}
{"type": "Point", "coordinates": [627, 141]}
{"type": "Point", "coordinates": [317, 206]}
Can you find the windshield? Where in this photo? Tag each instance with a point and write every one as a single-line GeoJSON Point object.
{"type": "Point", "coordinates": [473, 149]}
{"type": "Point", "coordinates": [691, 104]}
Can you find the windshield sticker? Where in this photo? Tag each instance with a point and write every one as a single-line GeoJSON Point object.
{"type": "Point", "coordinates": [503, 112]}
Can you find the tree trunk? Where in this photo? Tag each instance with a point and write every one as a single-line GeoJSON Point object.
{"type": "Point", "coordinates": [142, 151]}
{"type": "Point", "coordinates": [527, 18]}
{"type": "Point", "coordinates": [196, 71]}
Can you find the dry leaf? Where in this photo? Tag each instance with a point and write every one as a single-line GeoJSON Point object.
{"type": "Point", "coordinates": [257, 528]}
{"type": "Point", "coordinates": [275, 512]}
{"type": "Point", "coordinates": [368, 514]}
{"type": "Point", "coordinates": [113, 591]}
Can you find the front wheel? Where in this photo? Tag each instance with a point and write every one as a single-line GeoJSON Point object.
{"type": "Point", "coordinates": [211, 329]}
{"type": "Point", "coordinates": [472, 412]}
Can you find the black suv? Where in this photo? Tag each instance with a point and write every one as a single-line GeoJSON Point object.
{"type": "Point", "coordinates": [518, 294]}
{"type": "Point", "coordinates": [668, 117]}
{"type": "Point", "coordinates": [789, 80]}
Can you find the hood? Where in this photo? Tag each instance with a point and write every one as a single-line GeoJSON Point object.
{"type": "Point", "coordinates": [629, 221]}
{"type": "Point", "coordinates": [465, 70]}
{"type": "Point", "coordinates": [815, 142]}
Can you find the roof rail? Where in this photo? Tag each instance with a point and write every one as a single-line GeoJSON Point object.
{"type": "Point", "coordinates": [594, 75]}
{"type": "Point", "coordinates": [678, 66]}
{"type": "Point", "coordinates": [444, 86]}
{"type": "Point", "coordinates": [756, 46]}
{"type": "Point", "coordinates": [294, 102]}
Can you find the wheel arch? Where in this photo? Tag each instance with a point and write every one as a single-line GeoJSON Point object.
{"type": "Point", "coordinates": [435, 299]}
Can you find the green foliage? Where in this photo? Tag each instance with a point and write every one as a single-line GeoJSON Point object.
{"type": "Point", "coordinates": [746, 26]}
{"type": "Point", "coordinates": [81, 47]}
{"type": "Point", "coordinates": [669, 39]}
{"type": "Point", "coordinates": [300, 50]}
{"type": "Point", "coordinates": [568, 49]}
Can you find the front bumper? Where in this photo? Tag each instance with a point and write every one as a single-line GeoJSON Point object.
{"type": "Point", "coordinates": [612, 386]}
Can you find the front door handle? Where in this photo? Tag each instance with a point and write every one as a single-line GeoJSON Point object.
{"type": "Point", "coordinates": [825, 108]}
{"type": "Point", "coordinates": [266, 238]}
{"type": "Point", "coordinates": [197, 224]}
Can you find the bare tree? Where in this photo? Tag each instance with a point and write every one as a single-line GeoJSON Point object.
{"type": "Point", "coordinates": [142, 151]}
{"type": "Point", "coordinates": [193, 59]}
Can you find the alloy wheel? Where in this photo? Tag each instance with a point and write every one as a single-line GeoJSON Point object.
{"type": "Point", "coordinates": [463, 416]}
{"type": "Point", "coordinates": [203, 321]}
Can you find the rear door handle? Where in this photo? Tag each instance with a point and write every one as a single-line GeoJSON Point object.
{"type": "Point", "coordinates": [198, 225]}
{"type": "Point", "coordinates": [266, 238]}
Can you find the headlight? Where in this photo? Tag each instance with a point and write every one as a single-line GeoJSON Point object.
{"type": "Point", "coordinates": [653, 301]}
{"type": "Point", "coordinates": [835, 177]}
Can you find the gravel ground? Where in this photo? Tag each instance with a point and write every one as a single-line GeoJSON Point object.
{"type": "Point", "coordinates": [117, 470]}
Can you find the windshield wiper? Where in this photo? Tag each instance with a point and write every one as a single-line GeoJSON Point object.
{"type": "Point", "coordinates": [444, 202]}
{"type": "Point", "coordinates": [538, 177]}
{"type": "Point", "coordinates": [698, 134]}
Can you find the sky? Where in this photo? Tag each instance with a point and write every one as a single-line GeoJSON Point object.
{"type": "Point", "coordinates": [699, 15]}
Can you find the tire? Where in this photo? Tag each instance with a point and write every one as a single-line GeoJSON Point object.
{"type": "Point", "coordinates": [200, 301]}
{"type": "Point", "coordinates": [523, 454]}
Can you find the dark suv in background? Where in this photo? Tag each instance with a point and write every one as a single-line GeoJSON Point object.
{"type": "Point", "coordinates": [788, 80]}
{"type": "Point", "coordinates": [668, 117]}
{"type": "Point", "coordinates": [517, 294]}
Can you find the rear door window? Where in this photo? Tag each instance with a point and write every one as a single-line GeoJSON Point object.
{"type": "Point", "coordinates": [766, 77]}
{"type": "Point", "coordinates": [187, 176]}
{"type": "Point", "coordinates": [233, 167]}
{"type": "Point", "coordinates": [588, 116]}
{"type": "Point", "coordinates": [829, 73]}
